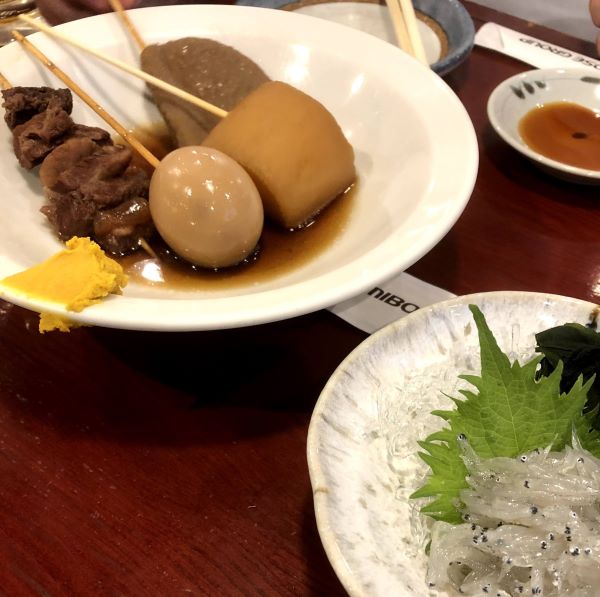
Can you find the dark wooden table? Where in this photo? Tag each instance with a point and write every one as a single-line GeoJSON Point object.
{"type": "Point", "coordinates": [171, 464]}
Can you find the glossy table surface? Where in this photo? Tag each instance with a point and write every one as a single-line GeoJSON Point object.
{"type": "Point", "coordinates": [169, 464]}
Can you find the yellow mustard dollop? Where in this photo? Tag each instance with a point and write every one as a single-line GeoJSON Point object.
{"type": "Point", "coordinates": [76, 277]}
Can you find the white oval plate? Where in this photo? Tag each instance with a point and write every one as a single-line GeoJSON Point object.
{"type": "Point", "coordinates": [403, 121]}
{"type": "Point", "coordinates": [516, 96]}
{"type": "Point", "coordinates": [377, 404]}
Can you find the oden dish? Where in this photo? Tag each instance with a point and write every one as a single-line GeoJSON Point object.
{"type": "Point", "coordinates": [401, 120]}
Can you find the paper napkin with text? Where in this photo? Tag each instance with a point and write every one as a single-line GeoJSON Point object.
{"type": "Point", "coordinates": [389, 301]}
{"type": "Point", "coordinates": [531, 50]}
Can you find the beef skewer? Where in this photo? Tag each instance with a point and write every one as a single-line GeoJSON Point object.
{"type": "Point", "coordinates": [35, 136]}
{"type": "Point", "coordinates": [110, 120]}
{"type": "Point", "coordinates": [136, 72]}
{"type": "Point", "coordinates": [92, 187]}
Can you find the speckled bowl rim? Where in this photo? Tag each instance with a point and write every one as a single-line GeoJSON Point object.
{"type": "Point", "coordinates": [460, 42]}
{"type": "Point", "coordinates": [501, 90]}
{"type": "Point", "coordinates": [318, 478]}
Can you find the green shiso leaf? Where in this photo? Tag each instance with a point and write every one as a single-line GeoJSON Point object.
{"type": "Point", "coordinates": [508, 413]}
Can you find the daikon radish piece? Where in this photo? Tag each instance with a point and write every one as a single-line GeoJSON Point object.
{"type": "Point", "coordinates": [293, 149]}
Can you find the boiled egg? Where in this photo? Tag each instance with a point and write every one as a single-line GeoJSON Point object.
{"type": "Point", "coordinates": [206, 207]}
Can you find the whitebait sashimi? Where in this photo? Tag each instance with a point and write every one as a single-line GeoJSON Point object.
{"type": "Point", "coordinates": [531, 527]}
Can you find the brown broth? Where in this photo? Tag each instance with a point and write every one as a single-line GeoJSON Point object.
{"type": "Point", "coordinates": [565, 132]}
{"type": "Point", "coordinates": [280, 251]}
{"type": "Point", "coordinates": [156, 138]}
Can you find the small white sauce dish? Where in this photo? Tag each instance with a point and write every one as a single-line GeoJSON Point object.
{"type": "Point", "coordinates": [516, 96]}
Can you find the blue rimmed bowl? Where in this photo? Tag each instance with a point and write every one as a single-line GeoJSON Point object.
{"type": "Point", "coordinates": [445, 25]}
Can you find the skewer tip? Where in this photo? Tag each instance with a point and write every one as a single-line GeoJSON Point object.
{"type": "Point", "coordinates": [146, 247]}
{"type": "Point", "coordinates": [118, 8]}
{"type": "Point", "coordinates": [4, 82]}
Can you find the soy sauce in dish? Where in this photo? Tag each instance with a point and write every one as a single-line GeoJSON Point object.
{"type": "Point", "coordinates": [280, 251]}
{"type": "Point", "coordinates": [565, 132]}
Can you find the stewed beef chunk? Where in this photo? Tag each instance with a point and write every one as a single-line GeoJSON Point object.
{"type": "Point", "coordinates": [70, 216]}
{"type": "Point", "coordinates": [80, 142]}
{"type": "Point", "coordinates": [91, 185]}
{"type": "Point", "coordinates": [36, 138]}
{"type": "Point", "coordinates": [64, 157]}
{"type": "Point", "coordinates": [23, 103]}
{"type": "Point", "coordinates": [105, 177]}
{"type": "Point", "coordinates": [103, 164]}
{"type": "Point", "coordinates": [96, 134]}
{"type": "Point", "coordinates": [134, 182]}
{"type": "Point", "coordinates": [81, 179]}
{"type": "Point", "coordinates": [119, 230]}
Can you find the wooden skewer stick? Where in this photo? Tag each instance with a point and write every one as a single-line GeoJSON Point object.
{"type": "Point", "coordinates": [117, 126]}
{"type": "Point", "coordinates": [4, 82]}
{"type": "Point", "coordinates": [136, 72]}
{"type": "Point", "coordinates": [400, 29]}
{"type": "Point", "coordinates": [144, 244]}
{"type": "Point", "coordinates": [118, 8]}
{"type": "Point", "coordinates": [410, 19]}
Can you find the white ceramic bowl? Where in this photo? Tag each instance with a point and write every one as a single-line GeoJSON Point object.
{"type": "Point", "coordinates": [403, 121]}
{"type": "Point", "coordinates": [516, 96]}
{"type": "Point", "coordinates": [377, 404]}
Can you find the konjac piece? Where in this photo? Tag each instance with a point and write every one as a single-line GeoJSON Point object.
{"type": "Point", "coordinates": [291, 146]}
{"type": "Point", "coordinates": [211, 70]}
